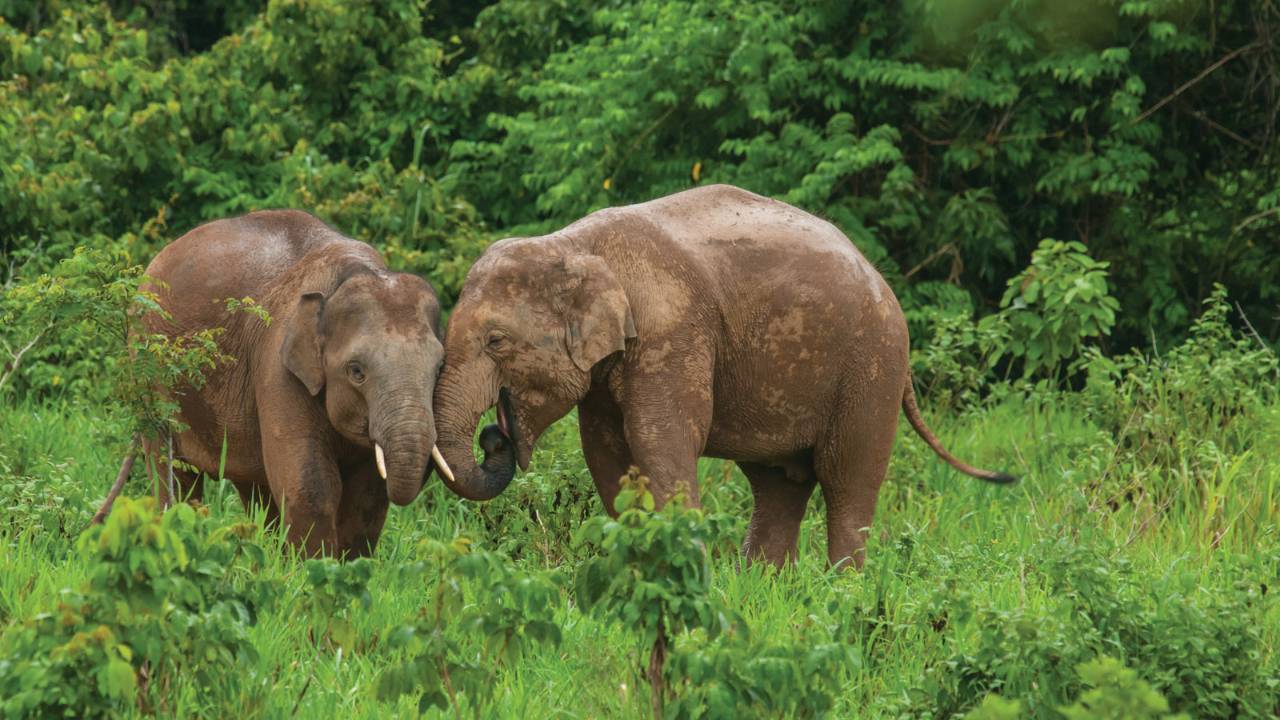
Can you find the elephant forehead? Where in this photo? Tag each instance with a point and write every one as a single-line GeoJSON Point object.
{"type": "Point", "coordinates": [520, 316]}
{"type": "Point", "coordinates": [400, 305]}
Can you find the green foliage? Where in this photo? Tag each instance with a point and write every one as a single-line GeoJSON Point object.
{"type": "Point", "coordinates": [994, 707]}
{"type": "Point", "coordinates": [1181, 426]}
{"type": "Point", "coordinates": [512, 612]}
{"type": "Point", "coordinates": [1212, 385]}
{"type": "Point", "coordinates": [85, 317]}
{"type": "Point", "coordinates": [1117, 694]}
{"type": "Point", "coordinates": [168, 599]}
{"type": "Point", "coordinates": [737, 676]}
{"type": "Point", "coordinates": [1200, 649]}
{"type": "Point", "coordinates": [654, 572]}
{"type": "Point", "coordinates": [537, 516]}
{"type": "Point", "coordinates": [958, 362]}
{"type": "Point", "coordinates": [947, 139]}
{"type": "Point", "coordinates": [1056, 304]}
{"type": "Point", "coordinates": [953, 132]}
{"type": "Point", "coordinates": [335, 589]}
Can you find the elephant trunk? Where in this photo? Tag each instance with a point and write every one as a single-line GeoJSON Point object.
{"type": "Point", "coordinates": [403, 443]}
{"type": "Point", "coordinates": [458, 411]}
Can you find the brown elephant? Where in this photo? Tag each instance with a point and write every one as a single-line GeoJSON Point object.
{"type": "Point", "coordinates": [326, 410]}
{"type": "Point", "coordinates": [712, 322]}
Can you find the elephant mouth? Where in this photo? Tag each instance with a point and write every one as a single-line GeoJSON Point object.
{"type": "Point", "coordinates": [507, 417]}
{"type": "Point", "coordinates": [502, 437]}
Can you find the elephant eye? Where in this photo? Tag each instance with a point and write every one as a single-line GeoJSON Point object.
{"type": "Point", "coordinates": [496, 341]}
{"type": "Point", "coordinates": [355, 372]}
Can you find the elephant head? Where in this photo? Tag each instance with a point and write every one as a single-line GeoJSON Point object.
{"type": "Point", "coordinates": [370, 345]}
{"type": "Point", "coordinates": [535, 316]}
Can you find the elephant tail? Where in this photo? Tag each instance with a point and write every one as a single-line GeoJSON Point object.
{"type": "Point", "coordinates": [917, 422]}
{"type": "Point", "coordinates": [126, 467]}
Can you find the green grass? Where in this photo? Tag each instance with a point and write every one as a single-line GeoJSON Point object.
{"type": "Point", "coordinates": [947, 555]}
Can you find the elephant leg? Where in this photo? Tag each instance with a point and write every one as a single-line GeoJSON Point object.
{"type": "Point", "coordinates": [850, 463]}
{"type": "Point", "coordinates": [780, 502]}
{"type": "Point", "coordinates": [666, 440]}
{"type": "Point", "coordinates": [604, 444]}
{"type": "Point", "coordinates": [307, 486]}
{"type": "Point", "coordinates": [666, 405]}
{"type": "Point", "coordinates": [361, 512]}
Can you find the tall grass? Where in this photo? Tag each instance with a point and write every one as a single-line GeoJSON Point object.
{"type": "Point", "coordinates": [1190, 528]}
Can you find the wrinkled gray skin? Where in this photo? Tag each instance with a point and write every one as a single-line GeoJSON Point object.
{"type": "Point", "coordinates": [348, 359]}
{"type": "Point", "coordinates": [713, 322]}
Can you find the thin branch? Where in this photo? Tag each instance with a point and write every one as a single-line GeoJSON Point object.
{"type": "Point", "coordinates": [126, 467]}
{"type": "Point", "coordinates": [928, 140]}
{"type": "Point", "coordinates": [170, 499]}
{"type": "Point", "coordinates": [949, 248]}
{"type": "Point", "coordinates": [639, 139]}
{"type": "Point", "coordinates": [16, 357]}
{"type": "Point", "coordinates": [1253, 331]}
{"type": "Point", "coordinates": [1224, 130]}
{"type": "Point", "coordinates": [1187, 85]}
{"type": "Point", "coordinates": [1253, 218]}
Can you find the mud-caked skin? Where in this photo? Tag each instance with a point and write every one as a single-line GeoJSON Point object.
{"type": "Point", "coordinates": [348, 360]}
{"type": "Point", "coordinates": [712, 322]}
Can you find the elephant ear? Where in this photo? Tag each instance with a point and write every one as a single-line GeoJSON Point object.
{"type": "Point", "coordinates": [301, 350]}
{"type": "Point", "coordinates": [598, 318]}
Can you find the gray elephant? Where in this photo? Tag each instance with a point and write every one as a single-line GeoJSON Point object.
{"type": "Point", "coordinates": [326, 411]}
{"type": "Point", "coordinates": [712, 322]}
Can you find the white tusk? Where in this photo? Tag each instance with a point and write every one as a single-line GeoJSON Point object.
{"type": "Point", "coordinates": [382, 460]}
{"type": "Point", "coordinates": [441, 465]}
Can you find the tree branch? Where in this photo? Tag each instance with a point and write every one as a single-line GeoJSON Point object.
{"type": "Point", "coordinates": [16, 357]}
{"type": "Point", "coordinates": [1187, 85]}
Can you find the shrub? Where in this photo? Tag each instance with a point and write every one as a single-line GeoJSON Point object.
{"type": "Point", "coordinates": [1117, 693]}
{"type": "Point", "coordinates": [536, 517]}
{"type": "Point", "coordinates": [1202, 650]}
{"type": "Point", "coordinates": [168, 600]}
{"type": "Point", "coordinates": [1055, 305]}
{"type": "Point", "coordinates": [333, 589]}
{"type": "Point", "coordinates": [654, 573]}
{"type": "Point", "coordinates": [957, 363]}
{"type": "Point", "coordinates": [736, 675]}
{"type": "Point", "coordinates": [512, 610]}
{"type": "Point", "coordinates": [1209, 387]}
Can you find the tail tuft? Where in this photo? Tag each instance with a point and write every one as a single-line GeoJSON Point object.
{"type": "Point", "coordinates": [1002, 478]}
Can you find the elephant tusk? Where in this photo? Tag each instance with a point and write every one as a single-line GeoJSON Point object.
{"type": "Point", "coordinates": [382, 460]}
{"type": "Point", "coordinates": [441, 465]}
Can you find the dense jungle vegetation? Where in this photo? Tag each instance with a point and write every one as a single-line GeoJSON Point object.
{"type": "Point", "coordinates": [1077, 203]}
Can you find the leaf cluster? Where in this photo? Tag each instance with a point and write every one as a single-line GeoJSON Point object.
{"type": "Point", "coordinates": [169, 598]}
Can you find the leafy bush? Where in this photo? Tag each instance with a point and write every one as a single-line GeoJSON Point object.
{"type": "Point", "coordinates": [86, 315]}
{"type": "Point", "coordinates": [654, 573]}
{"type": "Point", "coordinates": [1056, 304]}
{"type": "Point", "coordinates": [1209, 387]}
{"type": "Point", "coordinates": [168, 601]}
{"type": "Point", "coordinates": [1117, 694]}
{"type": "Point", "coordinates": [512, 611]}
{"type": "Point", "coordinates": [958, 362]}
{"type": "Point", "coordinates": [48, 500]}
{"type": "Point", "coordinates": [1201, 650]}
{"type": "Point", "coordinates": [945, 139]}
{"type": "Point", "coordinates": [334, 588]}
{"type": "Point", "coordinates": [737, 676]}
{"type": "Point", "coordinates": [537, 516]}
